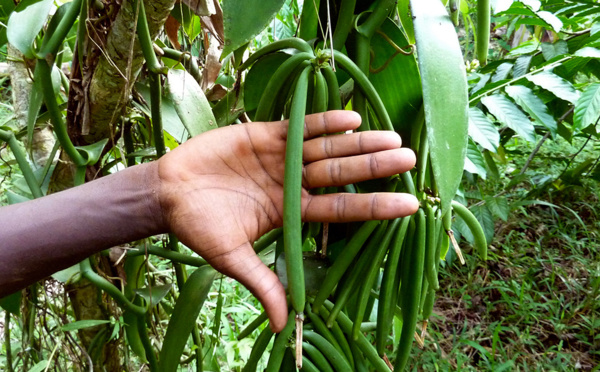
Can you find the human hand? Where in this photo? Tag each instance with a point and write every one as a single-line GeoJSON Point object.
{"type": "Point", "coordinates": [222, 190]}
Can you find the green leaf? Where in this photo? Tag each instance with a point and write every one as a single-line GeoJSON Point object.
{"type": "Point", "coordinates": [92, 152]}
{"type": "Point", "coordinates": [533, 4]}
{"type": "Point", "coordinates": [475, 163]}
{"type": "Point", "coordinates": [171, 122]}
{"type": "Point", "coordinates": [244, 19]}
{"type": "Point", "coordinates": [404, 97]}
{"type": "Point", "coordinates": [533, 105]}
{"type": "Point", "coordinates": [153, 295]}
{"type": "Point", "coordinates": [524, 48]}
{"type": "Point", "coordinates": [551, 50]}
{"type": "Point", "coordinates": [502, 72]}
{"type": "Point", "coordinates": [507, 113]}
{"type": "Point", "coordinates": [498, 206]}
{"type": "Point", "coordinates": [13, 198]}
{"type": "Point", "coordinates": [555, 84]}
{"type": "Point", "coordinates": [26, 22]}
{"type": "Point", "coordinates": [40, 366]}
{"type": "Point", "coordinates": [587, 108]}
{"type": "Point", "coordinates": [482, 130]}
{"type": "Point", "coordinates": [522, 65]}
{"type": "Point", "coordinates": [184, 316]}
{"type": "Point", "coordinates": [500, 5]}
{"type": "Point", "coordinates": [12, 303]}
{"type": "Point", "coordinates": [486, 220]}
{"type": "Point", "coordinates": [552, 20]}
{"type": "Point", "coordinates": [258, 77]}
{"type": "Point", "coordinates": [190, 102]}
{"type": "Point", "coordinates": [80, 324]}
{"type": "Point", "coordinates": [444, 94]}
{"type": "Point", "coordinates": [69, 275]}
{"type": "Point", "coordinates": [588, 52]}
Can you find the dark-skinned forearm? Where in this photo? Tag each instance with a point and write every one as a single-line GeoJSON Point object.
{"type": "Point", "coordinates": [40, 237]}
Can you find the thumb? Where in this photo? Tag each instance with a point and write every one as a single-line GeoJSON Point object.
{"type": "Point", "coordinates": [244, 266]}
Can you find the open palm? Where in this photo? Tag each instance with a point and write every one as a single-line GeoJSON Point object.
{"type": "Point", "coordinates": [222, 190]}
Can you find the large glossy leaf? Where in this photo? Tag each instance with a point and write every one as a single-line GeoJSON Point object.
{"type": "Point", "coordinates": [555, 84]}
{"type": "Point", "coordinates": [587, 109]}
{"type": "Point", "coordinates": [502, 72]}
{"type": "Point", "coordinates": [588, 52]}
{"type": "Point", "coordinates": [486, 220]}
{"type": "Point", "coordinates": [190, 102]}
{"type": "Point", "coordinates": [474, 162]}
{"type": "Point", "coordinates": [81, 324]}
{"type": "Point", "coordinates": [498, 206]}
{"type": "Point", "coordinates": [244, 19]}
{"type": "Point", "coordinates": [153, 295]}
{"type": "Point", "coordinates": [444, 94]}
{"type": "Point", "coordinates": [533, 105]}
{"type": "Point", "coordinates": [521, 66]}
{"type": "Point", "coordinates": [171, 122]}
{"type": "Point", "coordinates": [508, 113]}
{"type": "Point", "coordinates": [257, 79]}
{"type": "Point", "coordinates": [402, 98]}
{"type": "Point", "coordinates": [482, 130]}
{"type": "Point", "coordinates": [11, 303]}
{"type": "Point", "coordinates": [551, 50]}
{"type": "Point", "coordinates": [26, 22]}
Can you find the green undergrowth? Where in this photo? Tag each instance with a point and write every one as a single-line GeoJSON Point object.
{"type": "Point", "coordinates": [535, 304]}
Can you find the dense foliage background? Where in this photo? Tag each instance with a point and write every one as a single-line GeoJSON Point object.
{"type": "Point", "coordinates": [531, 178]}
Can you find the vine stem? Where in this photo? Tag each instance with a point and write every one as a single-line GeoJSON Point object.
{"type": "Point", "coordinates": [19, 154]}
{"type": "Point", "coordinates": [9, 361]}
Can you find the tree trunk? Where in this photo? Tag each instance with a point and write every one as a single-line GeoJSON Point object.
{"type": "Point", "coordinates": [116, 72]}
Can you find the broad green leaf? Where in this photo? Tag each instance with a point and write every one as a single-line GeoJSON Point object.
{"type": "Point", "coordinates": [522, 65]}
{"type": "Point", "coordinates": [244, 19]}
{"type": "Point", "coordinates": [533, 105]}
{"type": "Point", "coordinates": [498, 206]}
{"type": "Point", "coordinates": [153, 295]}
{"type": "Point", "coordinates": [500, 5]}
{"type": "Point", "coordinates": [184, 316]}
{"type": "Point", "coordinates": [444, 94]}
{"type": "Point", "coordinates": [502, 72]}
{"type": "Point", "coordinates": [13, 198]}
{"type": "Point", "coordinates": [595, 28]}
{"type": "Point", "coordinates": [482, 130]}
{"type": "Point", "coordinates": [92, 152]}
{"type": "Point", "coordinates": [171, 122]}
{"type": "Point", "coordinates": [533, 4]}
{"type": "Point", "coordinates": [257, 79]}
{"type": "Point", "coordinates": [524, 48]}
{"type": "Point", "coordinates": [508, 113]}
{"type": "Point", "coordinates": [555, 84]}
{"type": "Point", "coordinates": [587, 109]}
{"type": "Point", "coordinates": [486, 220]}
{"type": "Point", "coordinates": [26, 22]}
{"type": "Point", "coordinates": [402, 98]}
{"type": "Point", "coordinates": [12, 303]}
{"type": "Point", "coordinates": [406, 20]}
{"type": "Point", "coordinates": [551, 50]}
{"type": "Point", "coordinates": [40, 366]}
{"type": "Point", "coordinates": [551, 20]}
{"type": "Point", "coordinates": [475, 163]}
{"type": "Point", "coordinates": [69, 275]}
{"type": "Point", "coordinates": [80, 324]}
{"type": "Point", "coordinates": [190, 102]}
{"type": "Point", "coordinates": [588, 52]}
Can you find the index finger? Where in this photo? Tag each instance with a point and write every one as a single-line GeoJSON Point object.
{"type": "Point", "coordinates": [328, 122]}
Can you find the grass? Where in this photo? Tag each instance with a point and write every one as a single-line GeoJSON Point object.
{"type": "Point", "coordinates": [535, 304]}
